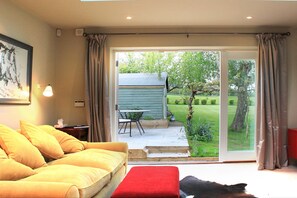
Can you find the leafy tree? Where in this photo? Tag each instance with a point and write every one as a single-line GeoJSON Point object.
{"type": "Point", "coordinates": [147, 62]}
{"type": "Point", "coordinates": [194, 72]}
{"type": "Point", "coordinates": [131, 64]}
{"type": "Point", "coordinates": [156, 62]}
{"type": "Point", "coordinates": [241, 81]}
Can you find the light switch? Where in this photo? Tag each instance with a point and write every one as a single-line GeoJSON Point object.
{"type": "Point", "coordinates": [79, 103]}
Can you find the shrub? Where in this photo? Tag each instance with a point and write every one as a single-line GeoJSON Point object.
{"type": "Point", "coordinates": [231, 102]}
{"type": "Point", "coordinates": [213, 101]}
{"type": "Point", "coordinates": [201, 132]}
{"type": "Point", "coordinates": [203, 102]}
{"type": "Point", "coordinates": [196, 102]}
{"type": "Point", "coordinates": [168, 101]}
{"type": "Point", "coordinates": [148, 118]}
{"type": "Point", "coordinates": [176, 101]}
{"type": "Point", "coordinates": [186, 100]}
{"type": "Point", "coordinates": [198, 152]}
{"type": "Point", "coordinates": [134, 115]}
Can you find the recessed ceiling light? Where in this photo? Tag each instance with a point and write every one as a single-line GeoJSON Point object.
{"type": "Point", "coordinates": [249, 17]}
{"type": "Point", "coordinates": [128, 17]}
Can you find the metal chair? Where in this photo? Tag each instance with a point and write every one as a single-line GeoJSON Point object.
{"type": "Point", "coordinates": [124, 122]}
{"type": "Point", "coordinates": [135, 117]}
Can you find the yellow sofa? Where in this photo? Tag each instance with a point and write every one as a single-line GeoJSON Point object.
{"type": "Point", "coordinates": [40, 161]}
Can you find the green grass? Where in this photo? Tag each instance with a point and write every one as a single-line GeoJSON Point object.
{"type": "Point", "coordinates": [210, 113]}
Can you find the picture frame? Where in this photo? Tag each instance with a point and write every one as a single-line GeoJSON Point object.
{"type": "Point", "coordinates": [15, 71]}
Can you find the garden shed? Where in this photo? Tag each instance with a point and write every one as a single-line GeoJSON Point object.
{"type": "Point", "coordinates": [144, 91]}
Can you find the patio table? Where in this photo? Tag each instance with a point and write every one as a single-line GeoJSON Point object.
{"type": "Point", "coordinates": [125, 114]}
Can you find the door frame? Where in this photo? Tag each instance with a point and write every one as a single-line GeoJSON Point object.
{"type": "Point", "coordinates": [113, 79]}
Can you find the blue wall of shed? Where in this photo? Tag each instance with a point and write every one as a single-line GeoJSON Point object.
{"type": "Point", "coordinates": [145, 98]}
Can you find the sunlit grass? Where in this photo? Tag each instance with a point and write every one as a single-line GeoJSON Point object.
{"type": "Point", "coordinates": [236, 140]}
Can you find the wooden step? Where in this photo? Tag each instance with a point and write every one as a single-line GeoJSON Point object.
{"type": "Point", "coordinates": [159, 152]}
{"type": "Point", "coordinates": [167, 149]}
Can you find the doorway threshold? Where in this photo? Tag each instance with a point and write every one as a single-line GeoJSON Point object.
{"type": "Point", "coordinates": [173, 160]}
{"type": "Point", "coordinates": [166, 154]}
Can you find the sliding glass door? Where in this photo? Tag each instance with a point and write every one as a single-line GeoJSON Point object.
{"type": "Point", "coordinates": [237, 111]}
{"type": "Point", "coordinates": [232, 113]}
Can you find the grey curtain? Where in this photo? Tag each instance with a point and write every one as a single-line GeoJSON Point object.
{"type": "Point", "coordinates": [272, 102]}
{"type": "Point", "coordinates": [97, 89]}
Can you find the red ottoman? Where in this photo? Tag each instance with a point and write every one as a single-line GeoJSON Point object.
{"type": "Point", "coordinates": [149, 181]}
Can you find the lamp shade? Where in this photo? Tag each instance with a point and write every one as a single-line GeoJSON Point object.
{"type": "Point", "coordinates": [48, 91]}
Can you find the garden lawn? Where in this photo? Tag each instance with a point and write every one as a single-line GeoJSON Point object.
{"type": "Point", "coordinates": [210, 113]}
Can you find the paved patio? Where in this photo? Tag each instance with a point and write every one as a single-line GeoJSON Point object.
{"type": "Point", "coordinates": [171, 136]}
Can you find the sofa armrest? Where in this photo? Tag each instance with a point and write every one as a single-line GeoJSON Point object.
{"type": "Point", "coordinates": [112, 146]}
{"type": "Point", "coordinates": [14, 189]}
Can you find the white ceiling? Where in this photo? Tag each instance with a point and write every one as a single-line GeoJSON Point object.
{"type": "Point", "coordinates": [163, 13]}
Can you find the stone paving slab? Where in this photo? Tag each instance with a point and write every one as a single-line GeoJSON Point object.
{"type": "Point", "coordinates": [171, 136]}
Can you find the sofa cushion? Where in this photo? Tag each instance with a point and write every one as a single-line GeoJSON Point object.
{"type": "Point", "coordinates": [46, 143]}
{"type": "Point", "coordinates": [111, 161]}
{"type": "Point", "coordinates": [88, 180]}
{"type": "Point", "coordinates": [68, 143]}
{"type": "Point", "coordinates": [29, 189]}
{"type": "Point", "coordinates": [17, 147]}
{"type": "Point", "coordinates": [3, 154]}
{"type": "Point", "coordinates": [12, 170]}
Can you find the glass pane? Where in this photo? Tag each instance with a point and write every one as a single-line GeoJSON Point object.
{"type": "Point", "coordinates": [241, 105]}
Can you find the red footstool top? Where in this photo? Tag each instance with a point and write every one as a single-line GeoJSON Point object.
{"type": "Point", "coordinates": [149, 181]}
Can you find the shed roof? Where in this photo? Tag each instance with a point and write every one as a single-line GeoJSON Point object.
{"type": "Point", "coordinates": [143, 79]}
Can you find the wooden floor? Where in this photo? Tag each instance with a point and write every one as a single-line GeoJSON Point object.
{"type": "Point", "coordinates": [280, 183]}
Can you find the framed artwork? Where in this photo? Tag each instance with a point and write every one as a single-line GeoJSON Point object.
{"type": "Point", "coordinates": [15, 71]}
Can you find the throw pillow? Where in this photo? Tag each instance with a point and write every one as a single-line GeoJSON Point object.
{"type": "Point", "coordinates": [68, 143]}
{"type": "Point", "coordinates": [46, 143]}
{"type": "Point", "coordinates": [17, 147]}
{"type": "Point", "coordinates": [12, 170]}
{"type": "Point", "coordinates": [3, 154]}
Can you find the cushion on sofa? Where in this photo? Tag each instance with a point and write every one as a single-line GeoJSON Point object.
{"type": "Point", "coordinates": [68, 143]}
{"type": "Point", "coordinates": [111, 161]}
{"type": "Point", "coordinates": [88, 180]}
{"type": "Point", "coordinates": [3, 154]}
{"type": "Point", "coordinates": [24, 189]}
{"type": "Point", "coordinates": [17, 147]}
{"type": "Point", "coordinates": [13, 170]}
{"type": "Point", "coordinates": [46, 143]}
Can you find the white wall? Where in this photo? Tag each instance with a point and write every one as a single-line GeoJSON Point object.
{"type": "Point", "coordinates": [21, 26]}
{"type": "Point", "coordinates": [70, 78]}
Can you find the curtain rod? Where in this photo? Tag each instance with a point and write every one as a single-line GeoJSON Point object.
{"type": "Point", "coordinates": [190, 33]}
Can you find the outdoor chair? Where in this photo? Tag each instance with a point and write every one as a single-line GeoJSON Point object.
{"type": "Point", "coordinates": [135, 117]}
{"type": "Point", "coordinates": [123, 122]}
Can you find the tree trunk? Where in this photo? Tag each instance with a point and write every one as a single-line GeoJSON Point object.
{"type": "Point", "coordinates": [190, 111]}
{"type": "Point", "coordinates": [241, 111]}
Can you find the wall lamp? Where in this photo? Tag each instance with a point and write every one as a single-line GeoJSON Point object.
{"type": "Point", "coordinates": [48, 91]}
